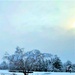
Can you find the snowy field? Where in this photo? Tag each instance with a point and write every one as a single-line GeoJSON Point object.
{"type": "Point", "coordinates": [5, 72]}
{"type": "Point", "coordinates": [51, 73]}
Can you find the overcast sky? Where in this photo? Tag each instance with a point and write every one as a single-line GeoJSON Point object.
{"type": "Point", "coordinates": [44, 25]}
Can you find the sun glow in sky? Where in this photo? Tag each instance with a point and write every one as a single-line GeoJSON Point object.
{"type": "Point", "coordinates": [70, 25]}
{"type": "Point", "coordinates": [69, 22]}
{"type": "Point", "coordinates": [73, 26]}
{"type": "Point", "coordinates": [45, 25]}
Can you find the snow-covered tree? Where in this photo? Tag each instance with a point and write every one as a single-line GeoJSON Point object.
{"type": "Point", "coordinates": [73, 67]}
{"type": "Point", "coordinates": [57, 64]}
{"type": "Point", "coordinates": [67, 65]}
{"type": "Point", "coordinates": [16, 59]}
{"type": "Point", "coordinates": [3, 65]}
{"type": "Point", "coordinates": [36, 61]}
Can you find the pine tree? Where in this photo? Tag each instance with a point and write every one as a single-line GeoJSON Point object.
{"type": "Point", "coordinates": [57, 64]}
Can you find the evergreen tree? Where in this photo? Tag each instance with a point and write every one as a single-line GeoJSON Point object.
{"type": "Point", "coordinates": [57, 64]}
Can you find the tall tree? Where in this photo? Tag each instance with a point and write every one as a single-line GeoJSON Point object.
{"type": "Point", "coordinates": [16, 59]}
{"type": "Point", "coordinates": [57, 64]}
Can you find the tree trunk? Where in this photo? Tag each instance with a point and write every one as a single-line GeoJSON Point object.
{"type": "Point", "coordinates": [25, 73]}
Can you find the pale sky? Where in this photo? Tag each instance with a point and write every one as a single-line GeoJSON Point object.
{"type": "Point", "coordinates": [45, 25]}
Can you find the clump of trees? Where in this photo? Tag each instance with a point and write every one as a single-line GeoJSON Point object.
{"type": "Point", "coordinates": [4, 65]}
{"type": "Point", "coordinates": [35, 61]}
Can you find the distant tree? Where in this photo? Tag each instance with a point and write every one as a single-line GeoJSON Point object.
{"type": "Point", "coordinates": [67, 66]}
{"type": "Point", "coordinates": [3, 65]}
{"type": "Point", "coordinates": [45, 65]}
{"type": "Point", "coordinates": [41, 65]}
{"type": "Point", "coordinates": [34, 61]}
{"type": "Point", "coordinates": [68, 63]}
{"type": "Point", "coordinates": [57, 64]}
{"type": "Point", "coordinates": [49, 65]}
{"type": "Point", "coordinates": [16, 59]}
{"type": "Point", "coordinates": [19, 50]}
{"type": "Point", "coordinates": [73, 67]}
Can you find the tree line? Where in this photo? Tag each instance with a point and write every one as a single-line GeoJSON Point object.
{"type": "Point", "coordinates": [35, 62]}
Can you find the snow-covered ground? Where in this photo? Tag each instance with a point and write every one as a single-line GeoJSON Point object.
{"type": "Point", "coordinates": [5, 72]}
{"type": "Point", "coordinates": [51, 73]}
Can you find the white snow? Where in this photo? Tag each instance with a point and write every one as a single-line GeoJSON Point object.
{"type": "Point", "coordinates": [6, 72]}
{"type": "Point", "coordinates": [51, 73]}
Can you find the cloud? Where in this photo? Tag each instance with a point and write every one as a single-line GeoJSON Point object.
{"type": "Point", "coordinates": [37, 24]}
